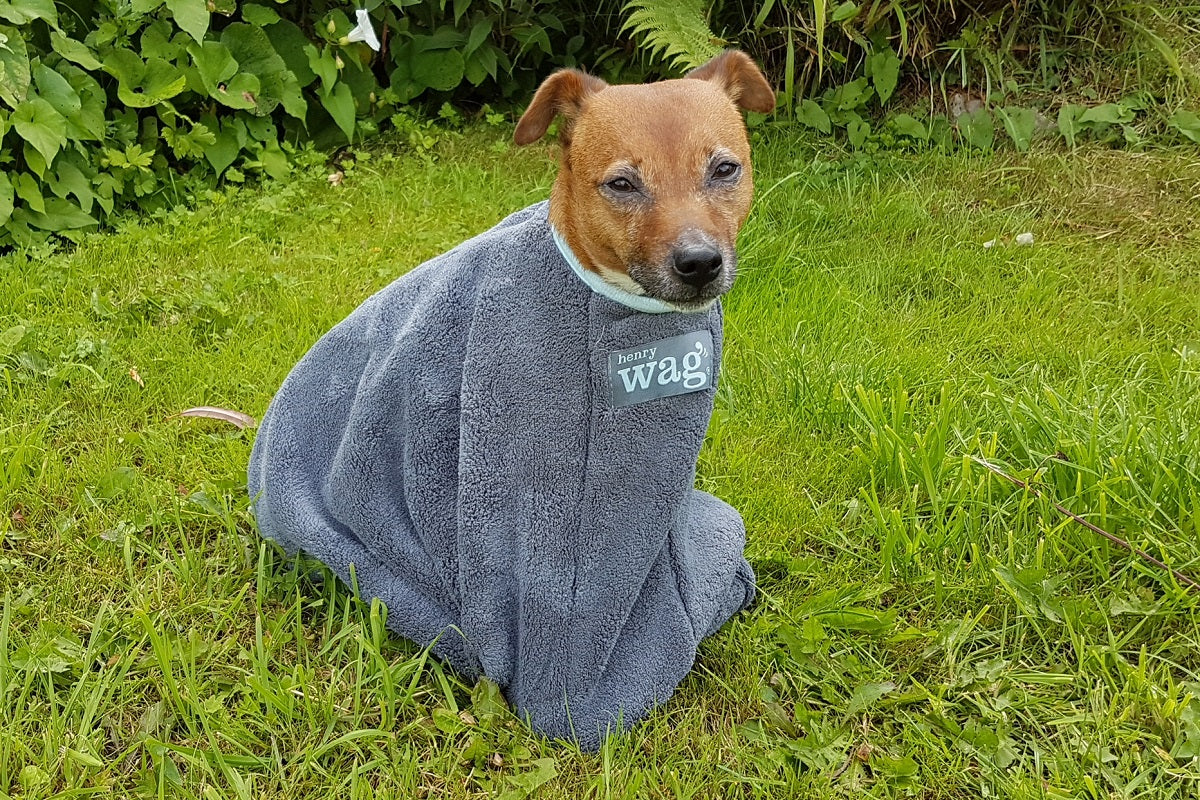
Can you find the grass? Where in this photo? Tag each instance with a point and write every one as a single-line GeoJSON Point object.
{"type": "Point", "coordinates": [924, 628]}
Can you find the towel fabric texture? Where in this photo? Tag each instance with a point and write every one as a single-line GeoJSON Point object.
{"type": "Point", "coordinates": [507, 459]}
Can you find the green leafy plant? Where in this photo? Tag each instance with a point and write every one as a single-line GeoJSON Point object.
{"type": "Point", "coordinates": [146, 103]}
{"type": "Point", "coordinates": [849, 67]}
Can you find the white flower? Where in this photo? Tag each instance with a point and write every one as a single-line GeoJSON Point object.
{"type": "Point", "coordinates": [363, 32]}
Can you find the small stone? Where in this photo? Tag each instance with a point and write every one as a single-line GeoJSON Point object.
{"type": "Point", "coordinates": [1025, 238]}
{"type": "Point", "coordinates": [989, 244]}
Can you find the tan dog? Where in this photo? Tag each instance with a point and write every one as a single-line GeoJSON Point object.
{"type": "Point", "coordinates": [655, 180]}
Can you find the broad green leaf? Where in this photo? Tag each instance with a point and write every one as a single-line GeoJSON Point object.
{"type": "Point", "coordinates": [867, 695]}
{"type": "Point", "coordinates": [14, 67]}
{"type": "Point", "coordinates": [400, 81]}
{"type": "Point", "coordinates": [7, 196]}
{"type": "Point", "coordinates": [262, 16]}
{"type": "Point", "coordinates": [479, 33]}
{"type": "Point", "coordinates": [87, 123]}
{"type": "Point", "coordinates": [86, 759]}
{"type": "Point", "coordinates": [844, 11]}
{"type": "Point", "coordinates": [191, 16]}
{"type": "Point", "coordinates": [812, 115]}
{"type": "Point", "coordinates": [61, 215]}
{"type": "Point", "coordinates": [68, 179]}
{"type": "Point", "coordinates": [242, 91]}
{"type": "Point", "coordinates": [1068, 122]}
{"type": "Point", "coordinates": [27, 188]}
{"type": "Point", "coordinates": [49, 655]}
{"type": "Point", "coordinates": [322, 64]}
{"type": "Point", "coordinates": [274, 160]}
{"type": "Point", "coordinates": [162, 81]}
{"type": "Point", "coordinates": [526, 783]}
{"type": "Point", "coordinates": [291, 43]}
{"type": "Point", "coordinates": [447, 721]}
{"type": "Point", "coordinates": [1034, 590]}
{"type": "Point", "coordinates": [255, 56]}
{"type": "Point", "coordinates": [292, 98]}
{"type": "Point", "coordinates": [860, 619]}
{"type": "Point", "coordinates": [215, 65]}
{"type": "Point", "coordinates": [852, 95]}
{"type": "Point", "coordinates": [170, 770]}
{"type": "Point", "coordinates": [487, 701]}
{"type": "Point", "coordinates": [473, 69]}
{"type": "Point", "coordinates": [805, 641]}
{"type": "Point", "coordinates": [899, 772]}
{"type": "Point", "coordinates": [909, 126]}
{"type": "Point", "coordinates": [11, 337]}
{"type": "Point", "coordinates": [55, 90]}
{"type": "Point", "coordinates": [440, 70]}
{"type": "Point", "coordinates": [224, 149]}
{"type": "Point", "coordinates": [73, 50]}
{"type": "Point", "coordinates": [977, 129]}
{"type": "Point", "coordinates": [941, 132]}
{"type": "Point", "coordinates": [491, 58]}
{"type": "Point", "coordinates": [252, 49]}
{"type": "Point", "coordinates": [39, 124]}
{"type": "Point", "coordinates": [857, 131]}
{"type": "Point", "coordinates": [34, 160]}
{"type": "Point", "coordinates": [362, 84]}
{"type": "Point", "coordinates": [22, 12]}
{"type": "Point", "coordinates": [145, 6]}
{"type": "Point", "coordinates": [884, 68]}
{"type": "Point", "coordinates": [1187, 123]}
{"type": "Point", "coordinates": [1132, 604]}
{"type": "Point", "coordinates": [1020, 124]}
{"type": "Point", "coordinates": [106, 185]}
{"type": "Point", "coordinates": [261, 129]}
{"type": "Point", "coordinates": [340, 105]}
{"type": "Point", "coordinates": [142, 84]}
{"type": "Point", "coordinates": [161, 39]}
{"type": "Point", "coordinates": [1107, 114]}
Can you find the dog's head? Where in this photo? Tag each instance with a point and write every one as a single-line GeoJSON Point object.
{"type": "Point", "coordinates": [655, 180]}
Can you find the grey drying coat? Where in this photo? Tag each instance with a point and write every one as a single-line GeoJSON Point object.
{"type": "Point", "coordinates": [459, 442]}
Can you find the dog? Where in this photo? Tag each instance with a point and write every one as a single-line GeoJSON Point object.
{"type": "Point", "coordinates": [655, 180]}
{"type": "Point", "coordinates": [501, 445]}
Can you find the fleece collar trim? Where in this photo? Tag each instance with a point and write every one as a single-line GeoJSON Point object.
{"type": "Point", "coordinates": [638, 302]}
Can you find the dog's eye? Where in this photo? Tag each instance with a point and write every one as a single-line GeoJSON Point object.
{"type": "Point", "coordinates": [621, 185]}
{"type": "Point", "coordinates": [725, 170]}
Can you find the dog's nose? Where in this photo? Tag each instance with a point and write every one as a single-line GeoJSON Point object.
{"type": "Point", "coordinates": [697, 266]}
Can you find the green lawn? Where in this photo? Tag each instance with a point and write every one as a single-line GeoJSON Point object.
{"type": "Point", "coordinates": [924, 628]}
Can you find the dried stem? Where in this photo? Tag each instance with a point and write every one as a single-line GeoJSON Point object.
{"type": "Point", "coordinates": [1117, 540]}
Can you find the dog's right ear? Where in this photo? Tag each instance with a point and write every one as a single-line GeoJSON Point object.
{"type": "Point", "coordinates": [561, 93]}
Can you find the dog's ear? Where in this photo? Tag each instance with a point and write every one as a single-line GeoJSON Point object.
{"type": "Point", "coordinates": [561, 93]}
{"type": "Point", "coordinates": [740, 78]}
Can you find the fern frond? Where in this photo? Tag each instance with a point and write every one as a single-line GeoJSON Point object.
{"type": "Point", "coordinates": [676, 30]}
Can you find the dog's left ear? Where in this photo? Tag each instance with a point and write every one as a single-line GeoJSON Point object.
{"type": "Point", "coordinates": [561, 93]}
{"type": "Point", "coordinates": [740, 78]}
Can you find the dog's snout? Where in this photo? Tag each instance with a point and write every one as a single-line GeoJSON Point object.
{"type": "Point", "coordinates": [697, 265]}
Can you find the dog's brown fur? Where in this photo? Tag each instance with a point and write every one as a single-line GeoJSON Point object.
{"type": "Point", "coordinates": [671, 142]}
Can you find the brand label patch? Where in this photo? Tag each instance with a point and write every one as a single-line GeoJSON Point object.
{"type": "Point", "coordinates": [665, 368]}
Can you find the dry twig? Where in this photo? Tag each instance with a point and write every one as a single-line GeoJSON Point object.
{"type": "Point", "coordinates": [1117, 540]}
